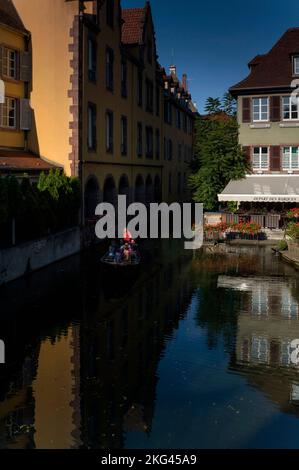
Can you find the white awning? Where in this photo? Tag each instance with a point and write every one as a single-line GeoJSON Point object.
{"type": "Point", "coordinates": [262, 188]}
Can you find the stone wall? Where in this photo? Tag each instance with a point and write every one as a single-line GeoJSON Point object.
{"type": "Point", "coordinates": [22, 259]}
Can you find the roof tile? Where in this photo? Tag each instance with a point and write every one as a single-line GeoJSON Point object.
{"type": "Point", "coordinates": [273, 69]}
{"type": "Point", "coordinates": [132, 28]}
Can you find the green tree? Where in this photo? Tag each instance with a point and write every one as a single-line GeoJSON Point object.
{"type": "Point", "coordinates": [213, 105]}
{"type": "Point", "coordinates": [218, 159]}
{"type": "Point", "coordinates": [229, 104]}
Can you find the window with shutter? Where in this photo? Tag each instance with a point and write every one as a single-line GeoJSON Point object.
{"type": "Point", "coordinates": [275, 158]}
{"type": "Point", "coordinates": [2, 91]}
{"type": "Point", "coordinates": [275, 113]}
{"type": "Point", "coordinates": [25, 115]}
{"type": "Point", "coordinates": [246, 114]}
{"type": "Point", "coordinates": [1, 55]}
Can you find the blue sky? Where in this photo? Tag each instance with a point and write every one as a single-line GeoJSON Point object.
{"type": "Point", "coordinates": [212, 41]}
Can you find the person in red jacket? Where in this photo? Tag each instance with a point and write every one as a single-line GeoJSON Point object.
{"type": "Point", "coordinates": [127, 236]}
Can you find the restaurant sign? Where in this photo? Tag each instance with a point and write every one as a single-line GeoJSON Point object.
{"type": "Point", "coordinates": [273, 198]}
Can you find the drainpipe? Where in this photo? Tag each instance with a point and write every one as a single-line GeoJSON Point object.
{"type": "Point", "coordinates": [80, 101]}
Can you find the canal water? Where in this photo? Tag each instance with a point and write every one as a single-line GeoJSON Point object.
{"type": "Point", "coordinates": [191, 351]}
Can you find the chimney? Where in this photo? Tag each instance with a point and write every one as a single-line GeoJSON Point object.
{"type": "Point", "coordinates": [184, 82]}
{"type": "Point", "coordinates": [172, 70]}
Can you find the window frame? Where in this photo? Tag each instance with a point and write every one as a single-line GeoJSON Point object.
{"type": "Point", "coordinates": [260, 154]}
{"type": "Point", "coordinates": [109, 68]}
{"type": "Point", "coordinates": [149, 142]}
{"type": "Point", "coordinates": [260, 112]}
{"type": "Point", "coordinates": [124, 135]}
{"type": "Point", "coordinates": [15, 127]}
{"type": "Point", "coordinates": [124, 78]}
{"type": "Point", "coordinates": [92, 59]}
{"type": "Point", "coordinates": [139, 139]}
{"type": "Point", "coordinates": [109, 123]}
{"type": "Point", "coordinates": [289, 97]}
{"type": "Point", "coordinates": [157, 144]}
{"type": "Point", "coordinates": [295, 65]}
{"type": "Point", "coordinates": [149, 95]}
{"type": "Point", "coordinates": [7, 49]}
{"type": "Point", "coordinates": [290, 167]}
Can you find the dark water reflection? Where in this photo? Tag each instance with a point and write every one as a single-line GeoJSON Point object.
{"type": "Point", "coordinates": [193, 351]}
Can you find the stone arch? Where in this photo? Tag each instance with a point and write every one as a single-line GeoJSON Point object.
{"type": "Point", "coordinates": [139, 189]}
{"type": "Point", "coordinates": [91, 197]}
{"type": "Point", "coordinates": [109, 190]}
{"type": "Point", "coordinates": [157, 189]}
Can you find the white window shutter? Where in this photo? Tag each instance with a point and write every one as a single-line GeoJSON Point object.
{"type": "Point", "coordinates": [25, 115]}
{"type": "Point", "coordinates": [25, 66]}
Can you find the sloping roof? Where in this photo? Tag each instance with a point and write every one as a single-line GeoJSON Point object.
{"type": "Point", "coordinates": [9, 16]}
{"type": "Point", "coordinates": [132, 28]}
{"type": "Point", "coordinates": [21, 161]}
{"type": "Point", "coordinates": [274, 69]}
{"type": "Point", "coordinates": [262, 188]}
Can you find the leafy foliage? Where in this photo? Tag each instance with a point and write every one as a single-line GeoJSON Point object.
{"type": "Point", "coordinates": [228, 104]}
{"type": "Point", "coordinates": [213, 105]}
{"type": "Point", "coordinates": [51, 205]}
{"type": "Point", "coordinates": [293, 230]}
{"type": "Point", "coordinates": [218, 159]}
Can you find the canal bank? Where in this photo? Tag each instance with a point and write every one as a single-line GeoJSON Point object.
{"type": "Point", "coordinates": [26, 258]}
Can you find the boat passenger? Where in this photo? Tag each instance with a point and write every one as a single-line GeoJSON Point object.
{"type": "Point", "coordinates": [127, 235]}
{"type": "Point", "coordinates": [118, 256]}
{"type": "Point", "coordinates": [127, 253]}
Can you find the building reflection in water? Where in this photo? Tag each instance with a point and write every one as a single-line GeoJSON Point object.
{"type": "Point", "coordinates": [87, 377]}
{"type": "Point", "coordinates": [267, 324]}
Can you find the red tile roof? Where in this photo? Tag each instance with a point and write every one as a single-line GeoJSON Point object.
{"type": "Point", "coordinates": [9, 15]}
{"type": "Point", "coordinates": [14, 160]}
{"type": "Point", "coordinates": [275, 68]}
{"type": "Point", "coordinates": [132, 29]}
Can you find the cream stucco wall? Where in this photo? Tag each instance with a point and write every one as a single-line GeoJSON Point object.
{"type": "Point", "coordinates": [49, 22]}
{"type": "Point", "coordinates": [274, 135]}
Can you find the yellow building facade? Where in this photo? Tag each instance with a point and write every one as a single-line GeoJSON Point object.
{"type": "Point", "coordinates": [98, 100]}
{"type": "Point", "coordinates": [14, 79]}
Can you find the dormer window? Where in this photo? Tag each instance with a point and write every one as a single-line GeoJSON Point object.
{"type": "Point", "coordinates": [296, 65]}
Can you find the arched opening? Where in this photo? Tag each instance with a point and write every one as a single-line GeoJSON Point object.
{"type": "Point", "coordinates": [91, 197]}
{"type": "Point", "coordinates": [124, 188]}
{"type": "Point", "coordinates": [149, 190]}
{"type": "Point", "coordinates": [139, 189]}
{"type": "Point", "coordinates": [157, 189]}
{"type": "Point", "coordinates": [109, 193]}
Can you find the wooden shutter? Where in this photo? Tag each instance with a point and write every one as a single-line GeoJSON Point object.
{"type": "Point", "coordinates": [1, 61]}
{"type": "Point", "coordinates": [275, 113]}
{"type": "Point", "coordinates": [25, 115]}
{"type": "Point", "coordinates": [25, 66]}
{"type": "Point", "coordinates": [246, 109]}
{"type": "Point", "coordinates": [247, 155]}
{"type": "Point", "coordinates": [275, 158]}
{"type": "Point", "coordinates": [2, 91]}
